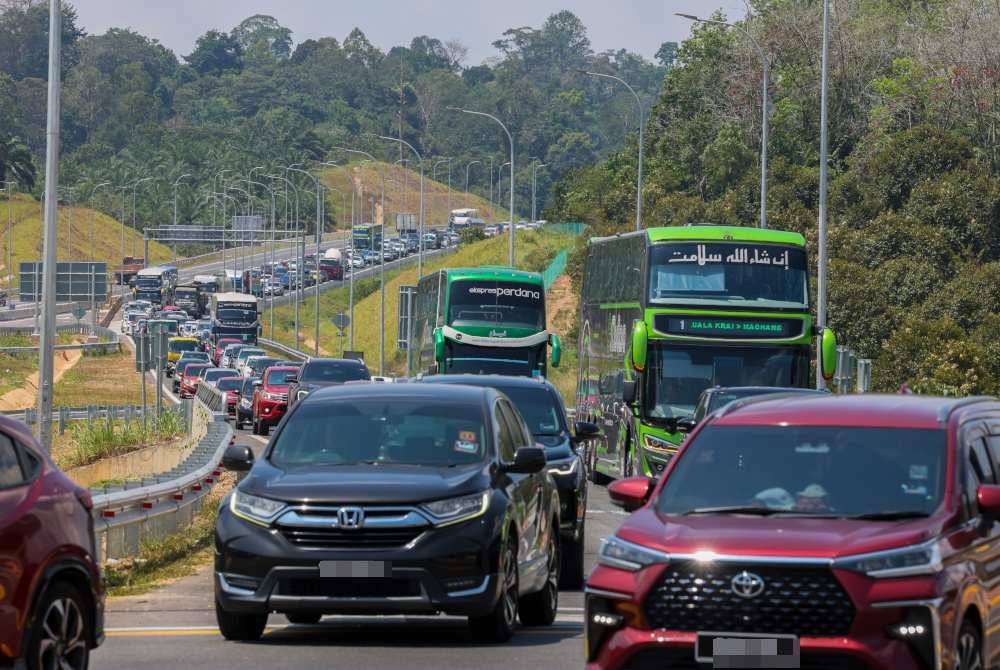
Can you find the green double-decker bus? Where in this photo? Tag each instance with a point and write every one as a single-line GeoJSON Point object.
{"type": "Point", "coordinates": [669, 312]}
{"type": "Point", "coordinates": [486, 320]}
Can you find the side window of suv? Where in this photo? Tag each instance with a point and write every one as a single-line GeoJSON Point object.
{"type": "Point", "coordinates": [11, 473]}
{"type": "Point", "coordinates": [522, 437]}
{"type": "Point", "coordinates": [978, 470]}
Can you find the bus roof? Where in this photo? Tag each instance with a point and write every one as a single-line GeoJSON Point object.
{"type": "Point", "coordinates": [724, 233]}
{"type": "Point", "coordinates": [154, 271]}
{"type": "Point", "coordinates": [235, 297]}
{"type": "Point", "coordinates": [494, 272]}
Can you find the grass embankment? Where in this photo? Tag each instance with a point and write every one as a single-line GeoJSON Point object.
{"type": "Point", "coordinates": [89, 441]}
{"type": "Point", "coordinates": [535, 250]}
{"type": "Point", "coordinates": [102, 380]}
{"type": "Point", "coordinates": [15, 369]}
{"type": "Point", "coordinates": [74, 229]}
{"type": "Point", "coordinates": [368, 182]}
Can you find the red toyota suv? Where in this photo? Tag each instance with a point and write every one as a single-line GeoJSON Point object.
{"type": "Point", "coordinates": [190, 378]}
{"type": "Point", "coordinates": [51, 589]}
{"type": "Point", "coordinates": [220, 346]}
{"type": "Point", "coordinates": [815, 532]}
{"type": "Point", "coordinates": [270, 398]}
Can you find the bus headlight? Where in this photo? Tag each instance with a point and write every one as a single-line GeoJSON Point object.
{"type": "Point", "coordinates": [659, 444]}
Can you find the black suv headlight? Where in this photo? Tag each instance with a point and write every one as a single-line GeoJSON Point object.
{"type": "Point", "coordinates": [456, 510]}
{"type": "Point", "coordinates": [261, 511]}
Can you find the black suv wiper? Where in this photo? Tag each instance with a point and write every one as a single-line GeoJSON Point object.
{"type": "Point", "coordinates": [890, 515]}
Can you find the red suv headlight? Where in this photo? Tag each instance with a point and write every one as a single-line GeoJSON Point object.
{"type": "Point", "coordinates": [623, 555]}
{"type": "Point", "coordinates": [919, 559]}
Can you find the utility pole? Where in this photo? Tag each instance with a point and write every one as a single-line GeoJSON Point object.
{"type": "Point", "coordinates": [175, 218]}
{"type": "Point", "coordinates": [469, 165]}
{"type": "Point", "coordinates": [420, 248]}
{"type": "Point", "coordinates": [534, 177]}
{"type": "Point", "coordinates": [46, 347]}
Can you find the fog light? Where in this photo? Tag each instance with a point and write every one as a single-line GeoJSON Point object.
{"type": "Point", "coordinates": [907, 631]}
{"type": "Point", "coordinates": [916, 629]}
{"type": "Point", "coordinates": [607, 620]}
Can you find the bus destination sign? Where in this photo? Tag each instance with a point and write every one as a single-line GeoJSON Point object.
{"type": "Point", "coordinates": [728, 327]}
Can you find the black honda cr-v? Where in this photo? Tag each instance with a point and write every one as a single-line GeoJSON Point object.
{"type": "Point", "coordinates": [385, 499]}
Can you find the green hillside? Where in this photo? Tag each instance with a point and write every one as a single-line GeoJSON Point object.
{"type": "Point", "coordinates": [79, 228]}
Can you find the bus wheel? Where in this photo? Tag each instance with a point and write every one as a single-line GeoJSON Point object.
{"type": "Point", "coordinates": [628, 458]}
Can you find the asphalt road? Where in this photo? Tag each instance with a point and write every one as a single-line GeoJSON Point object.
{"type": "Point", "coordinates": [157, 630]}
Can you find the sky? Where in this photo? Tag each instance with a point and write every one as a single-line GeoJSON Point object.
{"type": "Point", "coordinates": [636, 25]}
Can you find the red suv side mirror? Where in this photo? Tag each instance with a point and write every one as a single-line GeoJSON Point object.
{"type": "Point", "coordinates": [631, 493]}
{"type": "Point", "coordinates": [988, 500]}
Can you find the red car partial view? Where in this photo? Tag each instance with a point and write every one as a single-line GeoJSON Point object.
{"type": "Point", "coordinates": [51, 588]}
{"type": "Point", "coordinates": [220, 346]}
{"type": "Point", "coordinates": [855, 531]}
{"type": "Point", "coordinates": [270, 398]}
{"type": "Point", "coordinates": [190, 379]}
{"type": "Point", "coordinates": [230, 387]}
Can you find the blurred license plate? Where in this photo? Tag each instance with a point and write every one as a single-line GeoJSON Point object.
{"type": "Point", "coordinates": [747, 650]}
{"type": "Point", "coordinates": [374, 569]}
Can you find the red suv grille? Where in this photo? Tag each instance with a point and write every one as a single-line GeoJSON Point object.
{"type": "Point", "coordinates": [803, 601]}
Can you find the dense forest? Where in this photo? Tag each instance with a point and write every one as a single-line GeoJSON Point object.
{"type": "Point", "coordinates": [251, 96]}
{"type": "Point", "coordinates": [914, 210]}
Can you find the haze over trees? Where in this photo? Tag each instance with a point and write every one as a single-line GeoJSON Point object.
{"type": "Point", "coordinates": [251, 95]}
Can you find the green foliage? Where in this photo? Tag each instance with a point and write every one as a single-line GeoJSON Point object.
{"type": "Point", "coordinates": [15, 160]}
{"type": "Point", "coordinates": [94, 440]}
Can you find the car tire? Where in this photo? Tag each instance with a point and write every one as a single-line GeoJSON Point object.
{"type": "Point", "coordinates": [571, 572]}
{"type": "Point", "coordinates": [968, 647]}
{"type": "Point", "coordinates": [304, 619]}
{"type": "Point", "coordinates": [265, 428]}
{"type": "Point", "coordinates": [255, 426]}
{"type": "Point", "coordinates": [540, 608]}
{"type": "Point", "coordinates": [239, 627]}
{"type": "Point", "coordinates": [61, 604]}
{"type": "Point", "coordinates": [498, 625]}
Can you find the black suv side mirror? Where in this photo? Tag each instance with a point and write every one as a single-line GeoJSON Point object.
{"type": "Point", "coordinates": [686, 424]}
{"type": "Point", "coordinates": [630, 391]}
{"type": "Point", "coordinates": [584, 430]}
{"type": "Point", "coordinates": [527, 461]}
{"type": "Point", "coordinates": [237, 458]}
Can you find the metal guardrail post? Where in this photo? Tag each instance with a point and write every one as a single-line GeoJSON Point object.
{"type": "Point", "coordinates": [864, 382]}
{"type": "Point", "coordinates": [63, 415]}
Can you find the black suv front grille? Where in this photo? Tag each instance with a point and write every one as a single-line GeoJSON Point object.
{"type": "Point", "coordinates": [803, 601]}
{"type": "Point", "coordinates": [361, 538]}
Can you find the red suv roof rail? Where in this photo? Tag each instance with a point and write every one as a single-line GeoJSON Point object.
{"type": "Point", "coordinates": [948, 409]}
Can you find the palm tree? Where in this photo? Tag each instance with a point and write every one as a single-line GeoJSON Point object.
{"type": "Point", "coordinates": [16, 159]}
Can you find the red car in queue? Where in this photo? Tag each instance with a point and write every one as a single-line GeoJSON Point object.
{"type": "Point", "coordinates": [220, 346]}
{"type": "Point", "coordinates": [849, 532]}
{"type": "Point", "coordinates": [230, 387]}
{"type": "Point", "coordinates": [270, 397]}
{"type": "Point", "coordinates": [51, 588]}
{"type": "Point", "coordinates": [190, 378]}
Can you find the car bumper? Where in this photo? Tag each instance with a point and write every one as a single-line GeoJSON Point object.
{"type": "Point", "coordinates": [270, 411]}
{"type": "Point", "coordinates": [448, 570]}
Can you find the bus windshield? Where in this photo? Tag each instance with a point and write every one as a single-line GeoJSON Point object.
{"type": "Point", "coordinates": [237, 315]}
{"type": "Point", "coordinates": [728, 273]}
{"type": "Point", "coordinates": [496, 303]}
{"type": "Point", "coordinates": [148, 282]}
{"type": "Point", "coordinates": [677, 374]}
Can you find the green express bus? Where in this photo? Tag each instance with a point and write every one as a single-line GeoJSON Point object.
{"type": "Point", "coordinates": [669, 312]}
{"type": "Point", "coordinates": [486, 320]}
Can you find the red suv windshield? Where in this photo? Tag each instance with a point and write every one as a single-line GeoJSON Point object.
{"type": "Point", "coordinates": [808, 470]}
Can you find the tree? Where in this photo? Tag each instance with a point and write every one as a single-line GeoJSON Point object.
{"type": "Point", "coordinates": [262, 39]}
{"type": "Point", "coordinates": [16, 160]}
{"type": "Point", "coordinates": [215, 53]}
{"type": "Point", "coordinates": [24, 39]}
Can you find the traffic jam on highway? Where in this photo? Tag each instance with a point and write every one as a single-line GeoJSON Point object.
{"type": "Point", "coordinates": [760, 522]}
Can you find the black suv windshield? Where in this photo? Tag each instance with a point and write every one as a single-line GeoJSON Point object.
{"type": "Point", "coordinates": [539, 406]}
{"type": "Point", "coordinates": [808, 470]}
{"type": "Point", "coordinates": [333, 372]}
{"type": "Point", "coordinates": [398, 431]}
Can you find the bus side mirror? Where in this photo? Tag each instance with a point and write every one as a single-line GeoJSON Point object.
{"type": "Point", "coordinates": [630, 390]}
{"type": "Point", "coordinates": [556, 349]}
{"type": "Point", "coordinates": [439, 346]}
{"type": "Point", "coordinates": [640, 343]}
{"type": "Point", "coordinates": [828, 353]}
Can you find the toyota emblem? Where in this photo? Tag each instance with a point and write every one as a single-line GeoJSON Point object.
{"type": "Point", "coordinates": [747, 585]}
{"type": "Point", "coordinates": [350, 517]}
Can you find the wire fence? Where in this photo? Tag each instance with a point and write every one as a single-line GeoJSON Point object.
{"type": "Point", "coordinates": [555, 268]}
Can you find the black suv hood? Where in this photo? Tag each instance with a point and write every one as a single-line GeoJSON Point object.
{"type": "Point", "coordinates": [315, 386]}
{"type": "Point", "coordinates": [365, 484]}
{"type": "Point", "coordinates": [557, 447]}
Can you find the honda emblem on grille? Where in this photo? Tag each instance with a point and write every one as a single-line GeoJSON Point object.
{"type": "Point", "coordinates": [747, 585]}
{"type": "Point", "coordinates": [350, 517]}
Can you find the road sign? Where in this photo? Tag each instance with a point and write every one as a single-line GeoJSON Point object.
{"type": "Point", "coordinates": [142, 352]}
{"type": "Point", "coordinates": [406, 293]}
{"type": "Point", "coordinates": [79, 311]}
{"type": "Point", "coordinates": [341, 320]}
{"type": "Point", "coordinates": [75, 281]}
{"type": "Point", "coordinates": [354, 355]}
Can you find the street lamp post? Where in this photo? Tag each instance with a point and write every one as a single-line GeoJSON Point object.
{"type": "Point", "coordinates": [301, 261]}
{"type": "Point", "coordinates": [467, 166]}
{"type": "Point", "coordinates": [381, 296]}
{"type": "Point", "coordinates": [178, 181]}
{"type": "Point", "coordinates": [821, 315]}
{"type": "Point", "coordinates": [764, 105]}
{"type": "Point", "coordinates": [434, 177]}
{"type": "Point", "coordinates": [534, 177]}
{"type": "Point", "coordinates": [642, 127]}
{"type": "Point", "coordinates": [135, 233]}
{"type": "Point", "coordinates": [510, 139]}
{"type": "Point", "coordinates": [69, 220]}
{"type": "Point", "coordinates": [93, 217]}
{"type": "Point", "coordinates": [420, 252]}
